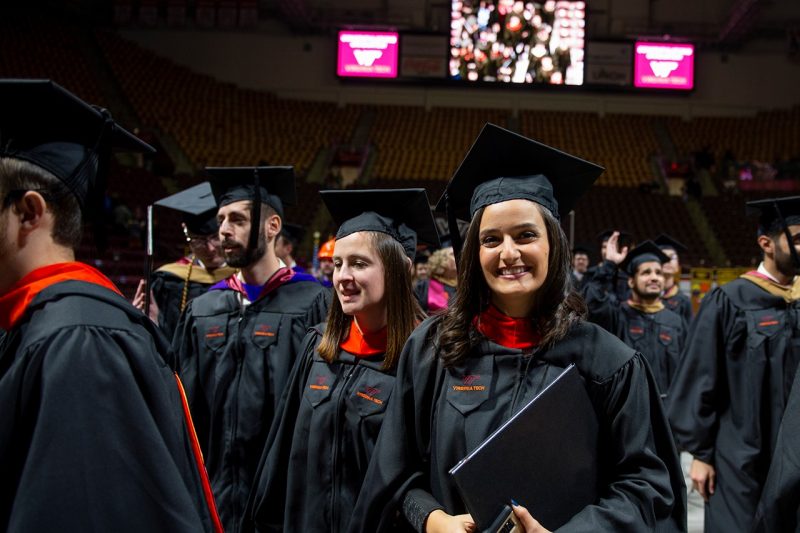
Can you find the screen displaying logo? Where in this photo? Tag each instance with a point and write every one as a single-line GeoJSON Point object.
{"type": "Point", "coordinates": [664, 66]}
{"type": "Point", "coordinates": [367, 54]}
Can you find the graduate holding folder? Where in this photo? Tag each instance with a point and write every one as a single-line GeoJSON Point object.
{"type": "Point", "coordinates": [512, 328]}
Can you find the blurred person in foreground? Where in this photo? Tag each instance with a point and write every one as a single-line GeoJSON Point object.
{"type": "Point", "coordinates": [95, 433]}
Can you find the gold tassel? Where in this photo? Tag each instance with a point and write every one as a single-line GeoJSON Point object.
{"type": "Point", "coordinates": [185, 294]}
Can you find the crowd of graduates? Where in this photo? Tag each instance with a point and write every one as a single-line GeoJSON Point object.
{"type": "Point", "coordinates": [240, 392]}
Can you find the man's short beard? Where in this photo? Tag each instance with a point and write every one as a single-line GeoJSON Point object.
{"type": "Point", "coordinates": [248, 257]}
{"type": "Point", "coordinates": [784, 262]}
{"type": "Point", "coordinates": [643, 295]}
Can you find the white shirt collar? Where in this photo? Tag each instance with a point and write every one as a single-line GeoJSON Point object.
{"type": "Point", "coordinates": [763, 271]}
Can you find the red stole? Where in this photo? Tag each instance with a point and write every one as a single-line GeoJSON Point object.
{"type": "Point", "coordinates": [363, 344]}
{"type": "Point", "coordinates": [507, 331]}
{"type": "Point", "coordinates": [280, 277]}
{"type": "Point", "coordinates": [17, 299]}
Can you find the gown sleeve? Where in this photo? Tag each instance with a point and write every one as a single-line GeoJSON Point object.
{"type": "Point", "coordinates": [695, 391]}
{"type": "Point", "coordinates": [643, 487]}
{"type": "Point", "coordinates": [601, 301]}
{"type": "Point", "coordinates": [106, 447]}
{"type": "Point", "coordinates": [184, 353]}
{"type": "Point", "coordinates": [779, 508]}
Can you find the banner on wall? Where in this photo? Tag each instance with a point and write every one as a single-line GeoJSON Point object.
{"type": "Point", "coordinates": [609, 63]}
{"type": "Point", "coordinates": [664, 65]}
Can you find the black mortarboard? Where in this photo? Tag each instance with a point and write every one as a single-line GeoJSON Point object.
{"type": "Point", "coordinates": [233, 184]}
{"type": "Point", "coordinates": [197, 207]}
{"type": "Point", "coordinates": [293, 232]}
{"type": "Point", "coordinates": [421, 258]}
{"type": "Point", "coordinates": [403, 214]}
{"type": "Point", "coordinates": [273, 186]}
{"type": "Point", "coordinates": [777, 214]}
{"type": "Point", "coordinates": [48, 126]}
{"type": "Point", "coordinates": [666, 242]}
{"type": "Point", "coordinates": [644, 253]}
{"type": "Point", "coordinates": [502, 165]}
{"type": "Point", "coordinates": [581, 249]}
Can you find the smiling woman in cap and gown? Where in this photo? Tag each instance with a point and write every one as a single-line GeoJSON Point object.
{"type": "Point", "coordinates": [332, 411]}
{"type": "Point", "coordinates": [513, 327]}
{"type": "Point", "coordinates": [94, 434]}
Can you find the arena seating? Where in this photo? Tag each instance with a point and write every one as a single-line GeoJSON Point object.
{"type": "Point", "coordinates": [218, 124]}
{"type": "Point", "coordinates": [765, 137]}
{"type": "Point", "coordinates": [418, 144]}
{"type": "Point", "coordinates": [621, 143]}
{"type": "Point", "coordinates": [644, 215]}
{"type": "Point", "coordinates": [60, 56]}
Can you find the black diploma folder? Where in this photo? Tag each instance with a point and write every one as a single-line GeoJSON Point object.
{"type": "Point", "coordinates": [544, 457]}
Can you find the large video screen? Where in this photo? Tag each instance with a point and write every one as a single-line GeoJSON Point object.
{"type": "Point", "coordinates": [367, 54]}
{"type": "Point", "coordinates": [663, 65]}
{"type": "Point", "coordinates": [509, 41]}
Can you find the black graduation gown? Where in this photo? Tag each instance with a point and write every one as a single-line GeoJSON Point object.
{"type": "Point", "coordinates": [421, 292]}
{"type": "Point", "coordinates": [320, 446]}
{"type": "Point", "coordinates": [577, 284]}
{"type": "Point", "coordinates": [167, 286]}
{"type": "Point", "coordinates": [729, 393]}
{"type": "Point", "coordinates": [235, 361]}
{"type": "Point", "coordinates": [93, 435]}
{"type": "Point", "coordinates": [432, 423]}
{"type": "Point", "coordinates": [658, 336]}
{"type": "Point", "coordinates": [779, 508]}
{"type": "Point", "coordinates": [167, 293]}
{"type": "Point", "coordinates": [681, 304]}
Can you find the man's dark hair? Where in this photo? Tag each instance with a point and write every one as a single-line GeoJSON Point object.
{"type": "Point", "coordinates": [18, 177]}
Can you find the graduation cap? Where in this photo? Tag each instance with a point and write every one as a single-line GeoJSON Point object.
{"type": "Point", "coordinates": [293, 232]}
{"type": "Point", "coordinates": [644, 253]}
{"type": "Point", "coordinates": [197, 207]}
{"type": "Point", "coordinates": [581, 249]}
{"type": "Point", "coordinates": [46, 125]}
{"type": "Point", "coordinates": [403, 214]}
{"type": "Point", "coordinates": [776, 214]}
{"type": "Point", "coordinates": [502, 165]}
{"type": "Point", "coordinates": [421, 258]}
{"type": "Point", "coordinates": [666, 242]}
{"type": "Point", "coordinates": [273, 186]}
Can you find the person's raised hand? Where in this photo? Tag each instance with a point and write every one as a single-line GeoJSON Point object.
{"type": "Point", "coordinates": [613, 254]}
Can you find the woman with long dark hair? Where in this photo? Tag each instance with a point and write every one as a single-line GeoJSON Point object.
{"type": "Point", "coordinates": [319, 448]}
{"type": "Point", "coordinates": [513, 326]}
